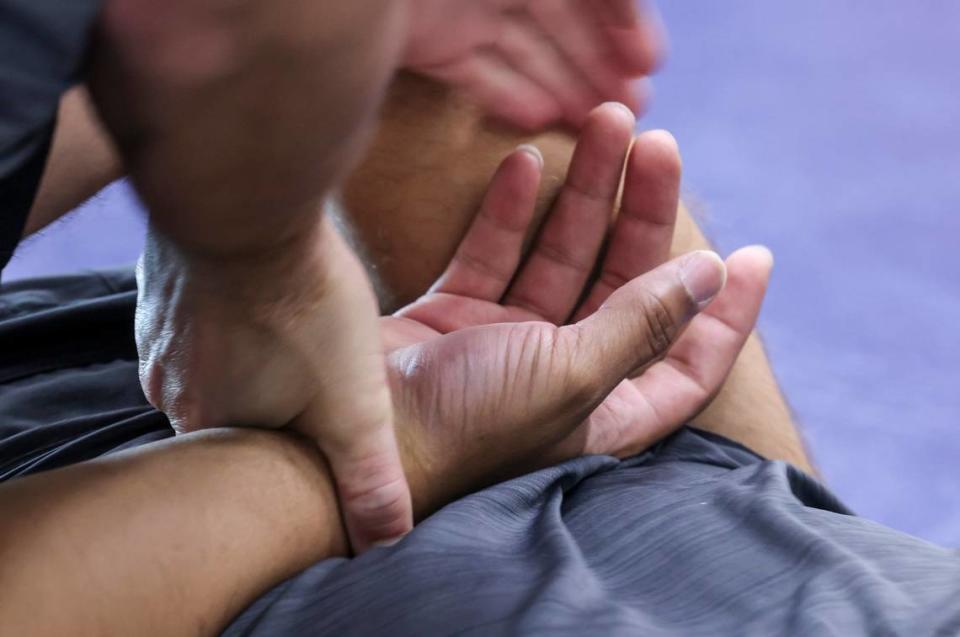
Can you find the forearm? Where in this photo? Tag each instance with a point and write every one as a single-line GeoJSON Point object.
{"type": "Point", "coordinates": [82, 161]}
{"type": "Point", "coordinates": [174, 538]}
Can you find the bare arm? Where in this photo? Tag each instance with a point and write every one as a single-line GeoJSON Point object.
{"type": "Point", "coordinates": [234, 120]}
{"type": "Point", "coordinates": [171, 539]}
{"type": "Point", "coordinates": [178, 536]}
{"type": "Point", "coordinates": [412, 197]}
{"type": "Point", "coordinates": [82, 161]}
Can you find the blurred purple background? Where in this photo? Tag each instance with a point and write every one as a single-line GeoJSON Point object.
{"type": "Point", "coordinates": [830, 131]}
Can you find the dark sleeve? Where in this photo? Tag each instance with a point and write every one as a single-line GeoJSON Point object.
{"type": "Point", "coordinates": [18, 188]}
{"type": "Point", "coordinates": [43, 44]}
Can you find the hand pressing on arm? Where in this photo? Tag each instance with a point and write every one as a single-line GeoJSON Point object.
{"type": "Point", "coordinates": [289, 340]}
{"type": "Point", "coordinates": [181, 535]}
{"type": "Point", "coordinates": [276, 100]}
{"type": "Point", "coordinates": [235, 121]}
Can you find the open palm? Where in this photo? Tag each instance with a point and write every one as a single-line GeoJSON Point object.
{"type": "Point", "coordinates": [504, 367]}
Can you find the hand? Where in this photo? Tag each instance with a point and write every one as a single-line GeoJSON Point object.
{"type": "Point", "coordinates": [502, 368]}
{"type": "Point", "coordinates": [284, 340]}
{"type": "Point", "coordinates": [537, 62]}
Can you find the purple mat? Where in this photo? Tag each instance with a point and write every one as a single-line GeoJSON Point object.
{"type": "Point", "coordinates": [830, 131]}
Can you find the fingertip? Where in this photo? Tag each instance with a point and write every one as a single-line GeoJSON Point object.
{"type": "Point", "coordinates": [516, 179]}
{"type": "Point", "coordinates": [512, 193]}
{"type": "Point", "coordinates": [704, 275]}
{"type": "Point", "coordinates": [761, 253]}
{"type": "Point", "coordinates": [628, 93]}
{"type": "Point", "coordinates": [612, 124]}
{"type": "Point", "coordinates": [533, 151]}
{"type": "Point", "coordinates": [388, 542]}
{"type": "Point", "coordinates": [380, 517]}
{"type": "Point", "coordinates": [516, 182]}
{"type": "Point", "coordinates": [658, 150]}
{"type": "Point", "coordinates": [756, 257]}
{"type": "Point", "coordinates": [661, 138]}
{"type": "Point", "coordinates": [372, 489]}
{"type": "Point", "coordinates": [749, 271]}
{"type": "Point", "coordinates": [617, 110]}
{"type": "Point", "coordinates": [612, 120]}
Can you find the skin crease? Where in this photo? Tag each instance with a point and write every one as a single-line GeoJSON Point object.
{"type": "Point", "coordinates": [277, 99]}
{"type": "Point", "coordinates": [218, 491]}
{"type": "Point", "coordinates": [113, 517]}
{"type": "Point", "coordinates": [236, 283]}
{"type": "Point", "coordinates": [457, 370]}
{"type": "Point", "coordinates": [415, 192]}
{"type": "Point", "coordinates": [429, 164]}
{"type": "Point", "coordinates": [261, 506]}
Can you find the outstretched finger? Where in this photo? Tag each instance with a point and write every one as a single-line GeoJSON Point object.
{"type": "Point", "coordinates": [643, 232]}
{"type": "Point", "coordinates": [695, 368]}
{"type": "Point", "coordinates": [552, 280]}
{"type": "Point", "coordinates": [487, 258]}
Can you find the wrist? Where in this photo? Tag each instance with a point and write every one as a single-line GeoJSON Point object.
{"type": "Point", "coordinates": [283, 269]}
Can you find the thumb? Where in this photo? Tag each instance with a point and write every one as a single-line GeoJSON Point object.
{"type": "Point", "coordinates": [372, 488]}
{"type": "Point", "coordinates": [641, 320]}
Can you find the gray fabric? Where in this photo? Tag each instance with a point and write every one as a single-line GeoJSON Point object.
{"type": "Point", "coordinates": [42, 49]}
{"type": "Point", "coordinates": [698, 537]}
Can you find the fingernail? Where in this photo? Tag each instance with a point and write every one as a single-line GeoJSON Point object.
{"type": "Point", "coordinates": [388, 542]}
{"type": "Point", "coordinates": [623, 107]}
{"type": "Point", "coordinates": [703, 274]}
{"type": "Point", "coordinates": [532, 150]}
{"type": "Point", "coordinates": [766, 252]}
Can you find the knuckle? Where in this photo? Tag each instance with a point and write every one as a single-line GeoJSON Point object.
{"type": "Point", "coordinates": [659, 326]}
{"type": "Point", "coordinates": [374, 479]}
{"type": "Point", "coordinates": [379, 502]}
{"type": "Point", "coordinates": [378, 511]}
{"type": "Point", "coordinates": [151, 381]}
{"type": "Point", "coordinates": [168, 393]}
{"type": "Point", "coordinates": [580, 380]}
